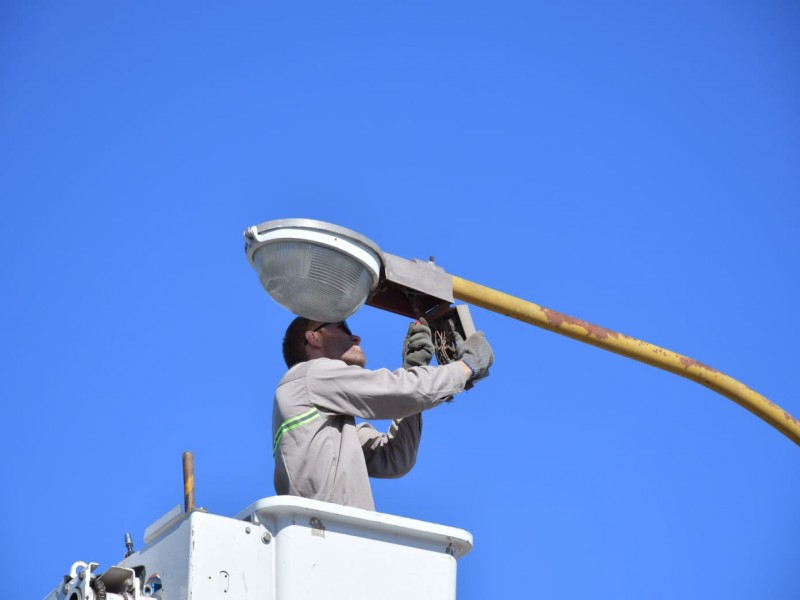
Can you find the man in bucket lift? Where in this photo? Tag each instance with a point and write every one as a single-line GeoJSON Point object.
{"type": "Point", "coordinates": [319, 450]}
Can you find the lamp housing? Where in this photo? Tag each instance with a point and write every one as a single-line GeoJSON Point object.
{"type": "Point", "coordinates": [314, 269]}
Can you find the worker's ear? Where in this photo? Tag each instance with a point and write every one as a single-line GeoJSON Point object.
{"type": "Point", "coordinates": [312, 339]}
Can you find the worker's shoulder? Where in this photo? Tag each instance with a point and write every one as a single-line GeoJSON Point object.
{"type": "Point", "coordinates": [309, 367]}
{"type": "Point", "coordinates": [295, 391]}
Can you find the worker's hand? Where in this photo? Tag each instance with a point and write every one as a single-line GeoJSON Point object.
{"type": "Point", "coordinates": [477, 354]}
{"type": "Point", "coordinates": [418, 345]}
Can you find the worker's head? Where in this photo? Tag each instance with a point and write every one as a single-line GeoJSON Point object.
{"type": "Point", "coordinates": [306, 339]}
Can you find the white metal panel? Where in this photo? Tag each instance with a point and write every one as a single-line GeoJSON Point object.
{"type": "Point", "coordinates": [168, 557]}
{"type": "Point", "coordinates": [329, 551]}
{"type": "Point", "coordinates": [230, 560]}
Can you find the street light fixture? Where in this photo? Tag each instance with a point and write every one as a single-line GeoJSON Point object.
{"type": "Point", "coordinates": [325, 273]}
{"type": "Point", "coordinates": [317, 270]}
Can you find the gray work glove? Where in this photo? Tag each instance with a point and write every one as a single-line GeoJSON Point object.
{"type": "Point", "coordinates": [418, 345]}
{"type": "Point", "coordinates": [476, 353]}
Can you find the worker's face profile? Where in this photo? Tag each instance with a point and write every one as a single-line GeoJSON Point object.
{"type": "Point", "coordinates": [338, 342]}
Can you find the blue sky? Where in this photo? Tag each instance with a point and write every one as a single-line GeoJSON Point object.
{"type": "Point", "coordinates": [632, 164]}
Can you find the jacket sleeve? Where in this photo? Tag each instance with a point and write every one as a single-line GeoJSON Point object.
{"type": "Point", "coordinates": [341, 389]}
{"type": "Point", "coordinates": [394, 453]}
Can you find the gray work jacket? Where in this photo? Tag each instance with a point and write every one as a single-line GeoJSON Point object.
{"type": "Point", "coordinates": [319, 450]}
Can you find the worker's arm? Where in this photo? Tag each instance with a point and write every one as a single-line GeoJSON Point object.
{"type": "Point", "coordinates": [394, 453]}
{"type": "Point", "coordinates": [382, 394]}
{"type": "Point", "coordinates": [341, 389]}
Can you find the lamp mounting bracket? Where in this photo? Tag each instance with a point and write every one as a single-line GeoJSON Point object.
{"type": "Point", "coordinates": [411, 288]}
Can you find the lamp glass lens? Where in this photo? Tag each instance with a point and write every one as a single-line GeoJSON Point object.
{"type": "Point", "coordinates": [312, 281]}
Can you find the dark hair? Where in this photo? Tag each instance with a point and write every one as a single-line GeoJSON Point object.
{"type": "Point", "coordinates": [294, 342]}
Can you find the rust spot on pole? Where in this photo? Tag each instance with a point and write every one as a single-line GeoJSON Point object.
{"type": "Point", "coordinates": [690, 362]}
{"type": "Point", "coordinates": [557, 319]}
{"type": "Point", "coordinates": [790, 418]}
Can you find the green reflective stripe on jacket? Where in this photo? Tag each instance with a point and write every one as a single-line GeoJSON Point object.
{"type": "Point", "coordinates": [290, 424]}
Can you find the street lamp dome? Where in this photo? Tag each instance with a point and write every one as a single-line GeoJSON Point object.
{"type": "Point", "coordinates": [315, 269]}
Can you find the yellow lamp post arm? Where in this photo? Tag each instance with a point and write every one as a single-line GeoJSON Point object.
{"type": "Point", "coordinates": [612, 341]}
